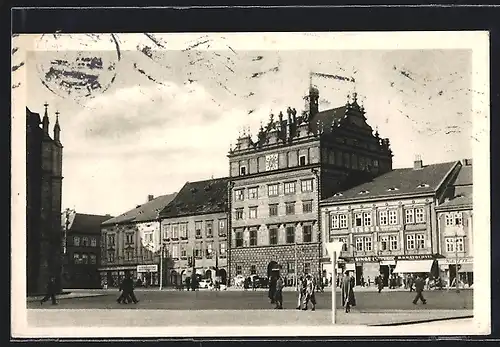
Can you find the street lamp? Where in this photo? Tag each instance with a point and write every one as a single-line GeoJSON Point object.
{"type": "Point", "coordinates": [456, 262]}
{"type": "Point", "coordinates": [162, 255]}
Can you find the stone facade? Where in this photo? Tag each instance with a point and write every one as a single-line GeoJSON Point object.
{"type": "Point", "coordinates": [44, 198]}
{"type": "Point", "coordinates": [277, 181]}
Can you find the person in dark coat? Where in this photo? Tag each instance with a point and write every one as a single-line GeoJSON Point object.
{"type": "Point", "coordinates": [51, 291]}
{"type": "Point", "coordinates": [278, 293]}
{"type": "Point", "coordinates": [411, 282]}
{"type": "Point", "coordinates": [124, 298]}
{"type": "Point", "coordinates": [380, 282]}
{"type": "Point", "coordinates": [272, 289]}
{"type": "Point", "coordinates": [128, 289]}
{"type": "Point", "coordinates": [310, 293]}
{"type": "Point", "coordinates": [419, 288]}
{"type": "Point", "coordinates": [348, 298]}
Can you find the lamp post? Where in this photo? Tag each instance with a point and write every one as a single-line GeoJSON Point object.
{"type": "Point", "coordinates": [162, 256]}
{"type": "Point", "coordinates": [456, 262]}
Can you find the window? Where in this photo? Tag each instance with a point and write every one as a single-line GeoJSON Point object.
{"type": "Point", "coordinates": [410, 241]}
{"type": "Point", "coordinates": [93, 259]}
{"type": "Point", "coordinates": [252, 193]}
{"type": "Point", "coordinates": [76, 258]}
{"type": "Point", "coordinates": [393, 217]}
{"type": "Point", "coordinates": [302, 160]}
{"type": "Point", "coordinates": [359, 243]}
{"type": "Point", "coordinates": [307, 233]}
{"type": "Point", "coordinates": [239, 213]}
{"type": "Point", "coordinates": [85, 241]}
{"type": "Point", "coordinates": [358, 220]}
{"type": "Point", "coordinates": [93, 242]}
{"type": "Point", "coordinates": [343, 221]}
{"type": "Point", "coordinates": [175, 231]}
{"type": "Point", "coordinates": [384, 243]}
{"type": "Point", "coordinates": [290, 234]}
{"type": "Point", "coordinates": [307, 268]}
{"type": "Point", "coordinates": [460, 244]}
{"type": "Point", "coordinates": [183, 251]}
{"type": "Point", "coordinates": [420, 241]}
{"type": "Point", "coordinates": [197, 250]}
{"type": "Point", "coordinates": [394, 242]}
{"type": "Point", "coordinates": [409, 216]}
{"type": "Point", "coordinates": [367, 240]}
{"type": "Point", "coordinates": [252, 212]}
{"type": "Point", "coordinates": [458, 218]}
{"type": "Point", "coordinates": [239, 238]}
{"type": "Point", "coordinates": [273, 210]}
{"type": "Point", "coordinates": [253, 237]}
{"type": "Point", "coordinates": [307, 206]}
{"type": "Point", "coordinates": [175, 251]}
{"type": "Point", "coordinates": [183, 230]}
{"type": "Point", "coordinates": [253, 269]}
{"type": "Point", "coordinates": [383, 218]}
{"type": "Point", "coordinates": [273, 236]}
{"type": "Point", "coordinates": [239, 195]}
{"type": "Point", "coordinates": [290, 188]}
{"type": "Point", "coordinates": [166, 231]}
{"type": "Point", "coordinates": [111, 256]}
{"type": "Point", "coordinates": [449, 219]}
{"type": "Point", "coordinates": [306, 185]}
{"type": "Point", "coordinates": [209, 228]}
{"type": "Point", "coordinates": [129, 238]}
{"type": "Point", "coordinates": [419, 215]}
{"type": "Point", "coordinates": [76, 241]}
{"type": "Point", "coordinates": [197, 228]}
{"type": "Point", "coordinates": [209, 250]}
{"type": "Point", "coordinates": [272, 190]}
{"type": "Point", "coordinates": [238, 269]}
{"type": "Point", "coordinates": [243, 170]}
{"type": "Point", "coordinates": [450, 244]}
{"type": "Point", "coordinates": [290, 207]}
{"type": "Point", "coordinates": [129, 254]}
{"type": "Point", "coordinates": [290, 267]}
{"type": "Point", "coordinates": [339, 221]}
{"type": "Point", "coordinates": [85, 258]}
{"type": "Point", "coordinates": [222, 249]}
{"type": "Point", "coordinates": [148, 237]}
{"type": "Point", "coordinates": [367, 218]}
{"type": "Point", "coordinates": [222, 227]}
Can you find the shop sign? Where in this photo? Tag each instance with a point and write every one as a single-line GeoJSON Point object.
{"type": "Point", "coordinates": [414, 257]}
{"type": "Point", "coordinates": [147, 268]}
{"type": "Point", "coordinates": [453, 261]}
{"type": "Point", "coordinates": [366, 259]}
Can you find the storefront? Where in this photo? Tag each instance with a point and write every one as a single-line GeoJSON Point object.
{"type": "Point", "coordinates": [448, 270]}
{"type": "Point", "coordinates": [147, 275]}
{"type": "Point", "coordinates": [425, 264]}
{"type": "Point", "coordinates": [113, 276]}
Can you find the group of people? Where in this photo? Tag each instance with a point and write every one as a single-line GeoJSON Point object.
{"type": "Point", "coordinates": [127, 295]}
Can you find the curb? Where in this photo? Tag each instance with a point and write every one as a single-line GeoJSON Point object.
{"type": "Point", "coordinates": [426, 320]}
{"type": "Point", "coordinates": [65, 297]}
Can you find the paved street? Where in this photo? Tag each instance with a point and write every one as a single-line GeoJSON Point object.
{"type": "Point", "coordinates": [257, 300]}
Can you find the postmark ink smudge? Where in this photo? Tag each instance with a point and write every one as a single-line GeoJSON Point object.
{"type": "Point", "coordinates": [16, 67]}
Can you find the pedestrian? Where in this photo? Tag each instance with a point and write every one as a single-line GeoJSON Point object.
{"type": "Point", "coordinates": [127, 287]}
{"type": "Point", "coordinates": [123, 298]}
{"type": "Point", "coordinates": [411, 281]}
{"type": "Point", "coordinates": [272, 289]}
{"type": "Point", "coordinates": [380, 282]}
{"type": "Point", "coordinates": [301, 290]}
{"type": "Point", "coordinates": [369, 281]}
{"type": "Point", "coordinates": [348, 298]}
{"type": "Point", "coordinates": [310, 293]}
{"type": "Point", "coordinates": [419, 288]}
{"type": "Point", "coordinates": [278, 293]}
{"type": "Point", "coordinates": [51, 291]}
{"type": "Point", "coordinates": [362, 281]}
{"type": "Point", "coordinates": [254, 283]}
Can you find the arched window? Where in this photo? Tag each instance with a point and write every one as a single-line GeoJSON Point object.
{"type": "Point", "coordinates": [76, 258]}
{"type": "Point", "coordinates": [85, 258]}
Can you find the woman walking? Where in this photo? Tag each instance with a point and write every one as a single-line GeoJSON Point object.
{"type": "Point", "coordinates": [348, 298]}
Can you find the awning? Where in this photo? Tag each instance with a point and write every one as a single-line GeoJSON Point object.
{"type": "Point", "coordinates": [350, 267]}
{"type": "Point", "coordinates": [414, 266]}
{"type": "Point", "coordinates": [466, 268]}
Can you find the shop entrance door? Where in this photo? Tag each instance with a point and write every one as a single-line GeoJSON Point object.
{"type": "Point", "coordinates": [359, 274]}
{"type": "Point", "coordinates": [384, 270]}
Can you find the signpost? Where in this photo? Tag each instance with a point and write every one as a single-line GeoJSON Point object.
{"type": "Point", "coordinates": [147, 268]}
{"type": "Point", "coordinates": [334, 249]}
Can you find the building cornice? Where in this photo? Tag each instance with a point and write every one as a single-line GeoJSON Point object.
{"type": "Point", "coordinates": [377, 198]}
{"type": "Point", "coordinates": [274, 172]}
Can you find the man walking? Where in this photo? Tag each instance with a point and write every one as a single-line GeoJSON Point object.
{"type": "Point", "coordinates": [301, 289]}
{"type": "Point", "coordinates": [310, 293]}
{"type": "Point", "coordinates": [51, 291]}
{"type": "Point", "coordinates": [128, 289]}
{"type": "Point", "coordinates": [278, 294]}
{"type": "Point", "coordinates": [348, 298]}
{"type": "Point", "coordinates": [419, 288]}
{"type": "Point", "coordinates": [272, 289]}
{"type": "Point", "coordinates": [380, 282]}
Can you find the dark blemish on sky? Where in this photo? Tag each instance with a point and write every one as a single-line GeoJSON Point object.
{"type": "Point", "coordinates": [406, 74]}
{"type": "Point", "coordinates": [232, 50]}
{"type": "Point", "coordinates": [82, 79]}
{"type": "Point", "coordinates": [440, 93]}
{"type": "Point", "coordinates": [146, 50]}
{"type": "Point", "coordinates": [195, 45]}
{"type": "Point", "coordinates": [141, 71]}
{"type": "Point", "coordinates": [16, 67]}
{"type": "Point", "coordinates": [14, 86]}
{"type": "Point", "coordinates": [392, 84]}
{"type": "Point", "coordinates": [195, 61]}
{"type": "Point", "coordinates": [258, 58]}
{"type": "Point", "coordinates": [61, 62]}
{"type": "Point", "coordinates": [251, 111]}
{"type": "Point", "coordinates": [14, 50]}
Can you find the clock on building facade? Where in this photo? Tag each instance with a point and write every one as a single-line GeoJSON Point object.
{"type": "Point", "coordinates": [271, 162]}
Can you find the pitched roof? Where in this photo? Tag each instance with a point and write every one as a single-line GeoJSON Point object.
{"type": "Point", "coordinates": [326, 118]}
{"type": "Point", "coordinates": [398, 182]}
{"type": "Point", "coordinates": [462, 200]}
{"type": "Point", "coordinates": [462, 191]}
{"type": "Point", "coordinates": [464, 177]}
{"type": "Point", "coordinates": [143, 213]}
{"type": "Point", "coordinates": [202, 197]}
{"type": "Point", "coordinates": [87, 223]}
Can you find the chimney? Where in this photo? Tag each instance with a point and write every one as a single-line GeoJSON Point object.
{"type": "Point", "coordinates": [150, 197]}
{"type": "Point", "coordinates": [467, 162]}
{"type": "Point", "coordinates": [417, 163]}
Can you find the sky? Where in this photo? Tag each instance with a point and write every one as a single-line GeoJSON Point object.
{"type": "Point", "coordinates": [144, 113]}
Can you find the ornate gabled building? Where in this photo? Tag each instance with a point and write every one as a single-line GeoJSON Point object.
{"type": "Point", "coordinates": [277, 180]}
{"type": "Point", "coordinates": [43, 202]}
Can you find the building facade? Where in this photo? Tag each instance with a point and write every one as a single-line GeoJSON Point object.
{"type": "Point", "coordinates": [455, 216]}
{"type": "Point", "coordinates": [130, 243]}
{"type": "Point", "coordinates": [43, 202]}
{"type": "Point", "coordinates": [389, 222]}
{"type": "Point", "coordinates": [195, 232]}
{"type": "Point", "coordinates": [277, 181]}
{"type": "Point", "coordinates": [82, 253]}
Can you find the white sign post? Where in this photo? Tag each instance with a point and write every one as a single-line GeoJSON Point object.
{"type": "Point", "coordinates": [333, 249]}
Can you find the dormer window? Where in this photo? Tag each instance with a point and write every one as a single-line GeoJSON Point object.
{"type": "Point", "coordinates": [423, 185]}
{"type": "Point", "coordinates": [392, 189]}
{"type": "Point", "coordinates": [364, 192]}
{"type": "Point", "coordinates": [338, 195]}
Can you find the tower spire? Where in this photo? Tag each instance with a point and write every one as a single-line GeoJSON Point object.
{"type": "Point", "coordinates": [57, 128]}
{"type": "Point", "coordinates": [45, 120]}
